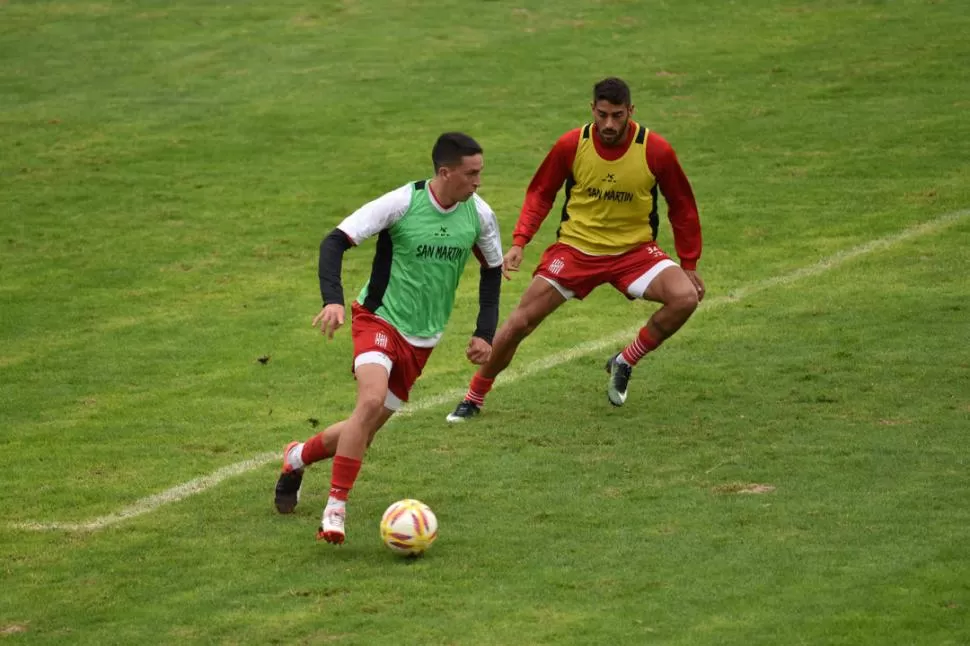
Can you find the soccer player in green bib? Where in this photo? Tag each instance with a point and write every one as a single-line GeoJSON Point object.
{"type": "Point", "coordinates": [426, 231]}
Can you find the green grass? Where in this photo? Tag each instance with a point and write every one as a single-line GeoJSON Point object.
{"type": "Point", "coordinates": [168, 170]}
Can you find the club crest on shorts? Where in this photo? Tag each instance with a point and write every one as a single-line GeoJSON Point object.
{"type": "Point", "coordinates": [556, 266]}
{"type": "Point", "coordinates": [380, 339]}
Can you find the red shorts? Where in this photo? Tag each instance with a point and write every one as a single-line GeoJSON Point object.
{"type": "Point", "coordinates": [576, 274]}
{"type": "Point", "coordinates": [375, 335]}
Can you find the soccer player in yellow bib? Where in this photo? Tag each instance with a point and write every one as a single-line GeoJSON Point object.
{"type": "Point", "coordinates": [613, 170]}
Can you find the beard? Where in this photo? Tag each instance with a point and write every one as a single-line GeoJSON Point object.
{"type": "Point", "coordinates": [611, 137]}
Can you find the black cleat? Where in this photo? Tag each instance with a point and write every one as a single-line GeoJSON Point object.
{"type": "Point", "coordinates": [619, 380]}
{"type": "Point", "coordinates": [288, 491]}
{"type": "Point", "coordinates": [465, 410]}
{"type": "Point", "coordinates": [288, 486]}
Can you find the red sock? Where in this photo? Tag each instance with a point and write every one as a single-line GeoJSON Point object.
{"type": "Point", "coordinates": [314, 450]}
{"type": "Point", "coordinates": [478, 388]}
{"type": "Point", "coordinates": [343, 476]}
{"type": "Point", "coordinates": [643, 344]}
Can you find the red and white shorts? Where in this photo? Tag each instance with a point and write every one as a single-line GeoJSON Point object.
{"type": "Point", "coordinates": [576, 274]}
{"type": "Point", "coordinates": [377, 341]}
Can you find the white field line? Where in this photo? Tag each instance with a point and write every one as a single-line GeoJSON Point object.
{"type": "Point", "coordinates": [198, 485]}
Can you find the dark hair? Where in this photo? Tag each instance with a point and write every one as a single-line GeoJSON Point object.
{"type": "Point", "coordinates": [451, 147]}
{"type": "Point", "coordinates": [612, 89]}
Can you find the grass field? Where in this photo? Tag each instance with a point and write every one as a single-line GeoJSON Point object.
{"type": "Point", "coordinates": [167, 171]}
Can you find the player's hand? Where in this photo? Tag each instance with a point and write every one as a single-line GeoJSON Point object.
{"type": "Point", "coordinates": [698, 283]}
{"type": "Point", "coordinates": [329, 320]}
{"type": "Point", "coordinates": [511, 261]}
{"type": "Point", "coordinates": [478, 350]}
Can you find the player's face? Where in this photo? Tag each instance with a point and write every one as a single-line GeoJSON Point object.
{"type": "Point", "coordinates": [611, 121]}
{"type": "Point", "coordinates": [465, 178]}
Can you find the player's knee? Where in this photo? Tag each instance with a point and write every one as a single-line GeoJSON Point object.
{"type": "Point", "coordinates": [684, 301]}
{"type": "Point", "coordinates": [370, 406]}
{"type": "Point", "coordinates": [519, 324]}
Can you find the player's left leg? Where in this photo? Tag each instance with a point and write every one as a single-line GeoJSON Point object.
{"type": "Point", "coordinates": [663, 282]}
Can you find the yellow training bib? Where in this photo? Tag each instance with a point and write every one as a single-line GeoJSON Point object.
{"type": "Point", "coordinates": [611, 206]}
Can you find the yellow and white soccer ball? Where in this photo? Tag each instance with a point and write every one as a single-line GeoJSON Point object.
{"type": "Point", "coordinates": [409, 527]}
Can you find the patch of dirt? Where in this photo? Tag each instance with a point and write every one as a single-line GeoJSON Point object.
{"type": "Point", "coordinates": [740, 487]}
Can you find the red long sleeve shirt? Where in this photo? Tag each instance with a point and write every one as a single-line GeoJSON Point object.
{"type": "Point", "coordinates": [556, 168]}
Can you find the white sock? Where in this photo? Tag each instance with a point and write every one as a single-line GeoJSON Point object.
{"type": "Point", "coordinates": [295, 457]}
{"type": "Point", "coordinates": [619, 359]}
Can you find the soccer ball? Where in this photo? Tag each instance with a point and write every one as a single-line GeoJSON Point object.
{"type": "Point", "coordinates": [409, 527]}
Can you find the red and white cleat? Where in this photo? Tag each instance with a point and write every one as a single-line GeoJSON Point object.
{"type": "Point", "coordinates": [332, 525]}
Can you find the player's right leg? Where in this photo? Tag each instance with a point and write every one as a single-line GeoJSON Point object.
{"type": "Point", "coordinates": [375, 405]}
{"type": "Point", "coordinates": [540, 299]}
